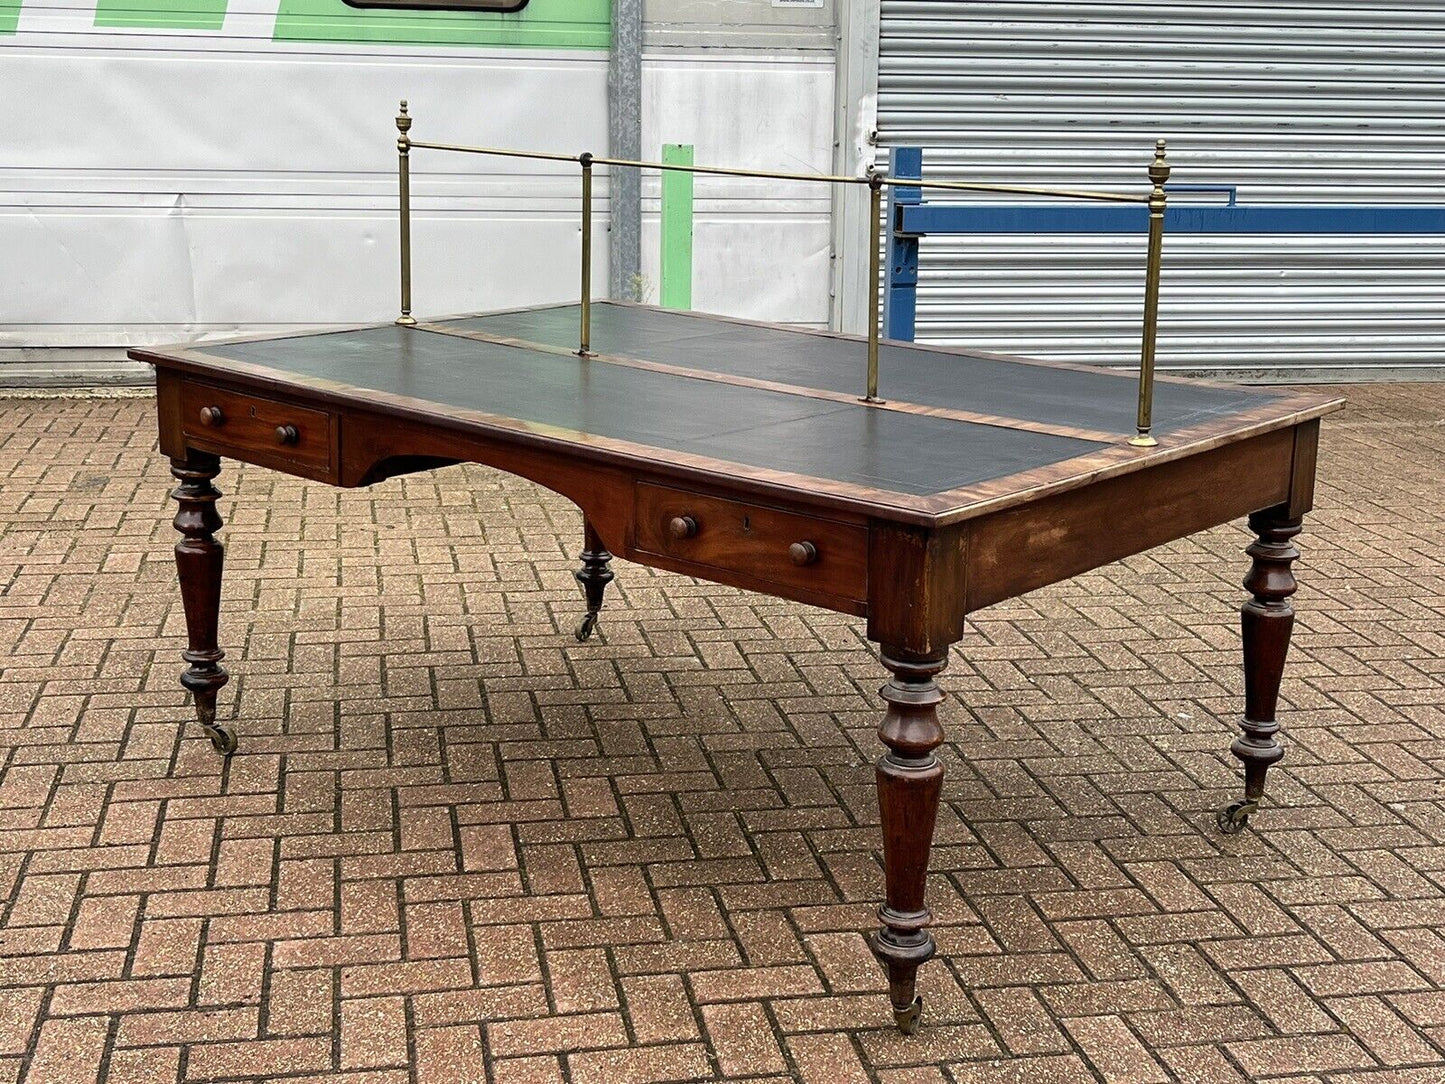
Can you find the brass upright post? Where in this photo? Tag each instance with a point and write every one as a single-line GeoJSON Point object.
{"type": "Point", "coordinates": [585, 349]}
{"type": "Point", "coordinates": [1158, 173]}
{"type": "Point", "coordinates": [875, 242]}
{"type": "Point", "coordinates": [403, 166]}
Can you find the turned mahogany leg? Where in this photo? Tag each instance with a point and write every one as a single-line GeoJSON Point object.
{"type": "Point", "coordinates": [1266, 621]}
{"type": "Point", "coordinates": [910, 779]}
{"type": "Point", "coordinates": [199, 559]}
{"type": "Point", "coordinates": [594, 576]}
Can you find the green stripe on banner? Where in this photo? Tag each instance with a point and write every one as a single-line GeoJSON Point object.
{"type": "Point", "coordinates": [163, 14]}
{"type": "Point", "coordinates": [9, 16]}
{"type": "Point", "coordinates": [676, 289]}
{"type": "Point", "coordinates": [543, 24]}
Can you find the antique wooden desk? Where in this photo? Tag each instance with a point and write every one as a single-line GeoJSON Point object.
{"type": "Point", "coordinates": [739, 452]}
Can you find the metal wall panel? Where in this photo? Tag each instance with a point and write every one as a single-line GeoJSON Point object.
{"type": "Point", "coordinates": [1294, 102]}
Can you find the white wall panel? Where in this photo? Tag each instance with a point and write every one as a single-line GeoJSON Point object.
{"type": "Point", "coordinates": [1293, 101]}
{"type": "Point", "coordinates": [168, 186]}
{"type": "Point", "coordinates": [135, 278]}
{"type": "Point", "coordinates": [160, 195]}
{"type": "Point", "coordinates": [761, 248]}
{"type": "Point", "coordinates": [285, 113]}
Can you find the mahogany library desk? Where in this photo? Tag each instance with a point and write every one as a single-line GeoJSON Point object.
{"type": "Point", "coordinates": [739, 452]}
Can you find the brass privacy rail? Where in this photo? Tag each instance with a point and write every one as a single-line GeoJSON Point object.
{"type": "Point", "coordinates": [875, 182]}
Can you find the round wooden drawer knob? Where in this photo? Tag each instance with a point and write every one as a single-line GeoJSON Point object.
{"type": "Point", "coordinates": [682, 527]}
{"type": "Point", "coordinates": [287, 434]}
{"type": "Point", "coordinates": [212, 416]}
{"type": "Point", "coordinates": [803, 553]}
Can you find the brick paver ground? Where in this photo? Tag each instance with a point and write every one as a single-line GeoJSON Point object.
{"type": "Point", "coordinates": [459, 846]}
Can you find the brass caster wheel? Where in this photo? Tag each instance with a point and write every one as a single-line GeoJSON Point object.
{"type": "Point", "coordinates": [223, 739]}
{"type": "Point", "coordinates": [586, 627]}
{"type": "Point", "coordinates": [907, 1019]}
{"type": "Point", "coordinates": [1233, 817]}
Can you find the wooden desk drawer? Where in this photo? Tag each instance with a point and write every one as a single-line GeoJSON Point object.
{"type": "Point", "coordinates": [255, 429]}
{"type": "Point", "coordinates": [817, 555]}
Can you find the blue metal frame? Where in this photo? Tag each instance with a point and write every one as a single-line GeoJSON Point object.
{"type": "Point", "coordinates": [900, 294]}
{"type": "Point", "coordinates": [910, 218]}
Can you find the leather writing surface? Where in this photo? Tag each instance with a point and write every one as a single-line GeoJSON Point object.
{"type": "Point", "coordinates": [1101, 400]}
{"type": "Point", "coordinates": [846, 442]}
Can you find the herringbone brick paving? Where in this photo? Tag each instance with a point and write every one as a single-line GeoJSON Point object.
{"type": "Point", "coordinates": [458, 846]}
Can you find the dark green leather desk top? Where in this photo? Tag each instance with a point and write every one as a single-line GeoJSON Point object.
{"type": "Point", "coordinates": [1018, 415]}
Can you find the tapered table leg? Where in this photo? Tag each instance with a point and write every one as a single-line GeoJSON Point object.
{"type": "Point", "coordinates": [1266, 621]}
{"type": "Point", "coordinates": [910, 779]}
{"type": "Point", "coordinates": [594, 576]}
{"type": "Point", "coordinates": [199, 561]}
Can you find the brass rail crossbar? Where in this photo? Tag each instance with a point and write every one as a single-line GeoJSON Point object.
{"type": "Point", "coordinates": [876, 182]}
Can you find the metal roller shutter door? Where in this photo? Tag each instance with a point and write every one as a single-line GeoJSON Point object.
{"type": "Point", "coordinates": [1293, 102]}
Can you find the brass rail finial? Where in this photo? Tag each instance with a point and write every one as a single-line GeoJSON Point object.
{"type": "Point", "coordinates": [403, 125]}
{"type": "Point", "coordinates": [1158, 174]}
{"type": "Point", "coordinates": [403, 149]}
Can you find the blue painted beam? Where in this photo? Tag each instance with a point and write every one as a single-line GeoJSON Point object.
{"type": "Point", "coordinates": [909, 218]}
{"type": "Point", "coordinates": [994, 218]}
{"type": "Point", "coordinates": [900, 291]}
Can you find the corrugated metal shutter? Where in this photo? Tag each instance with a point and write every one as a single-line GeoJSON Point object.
{"type": "Point", "coordinates": [1293, 102]}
